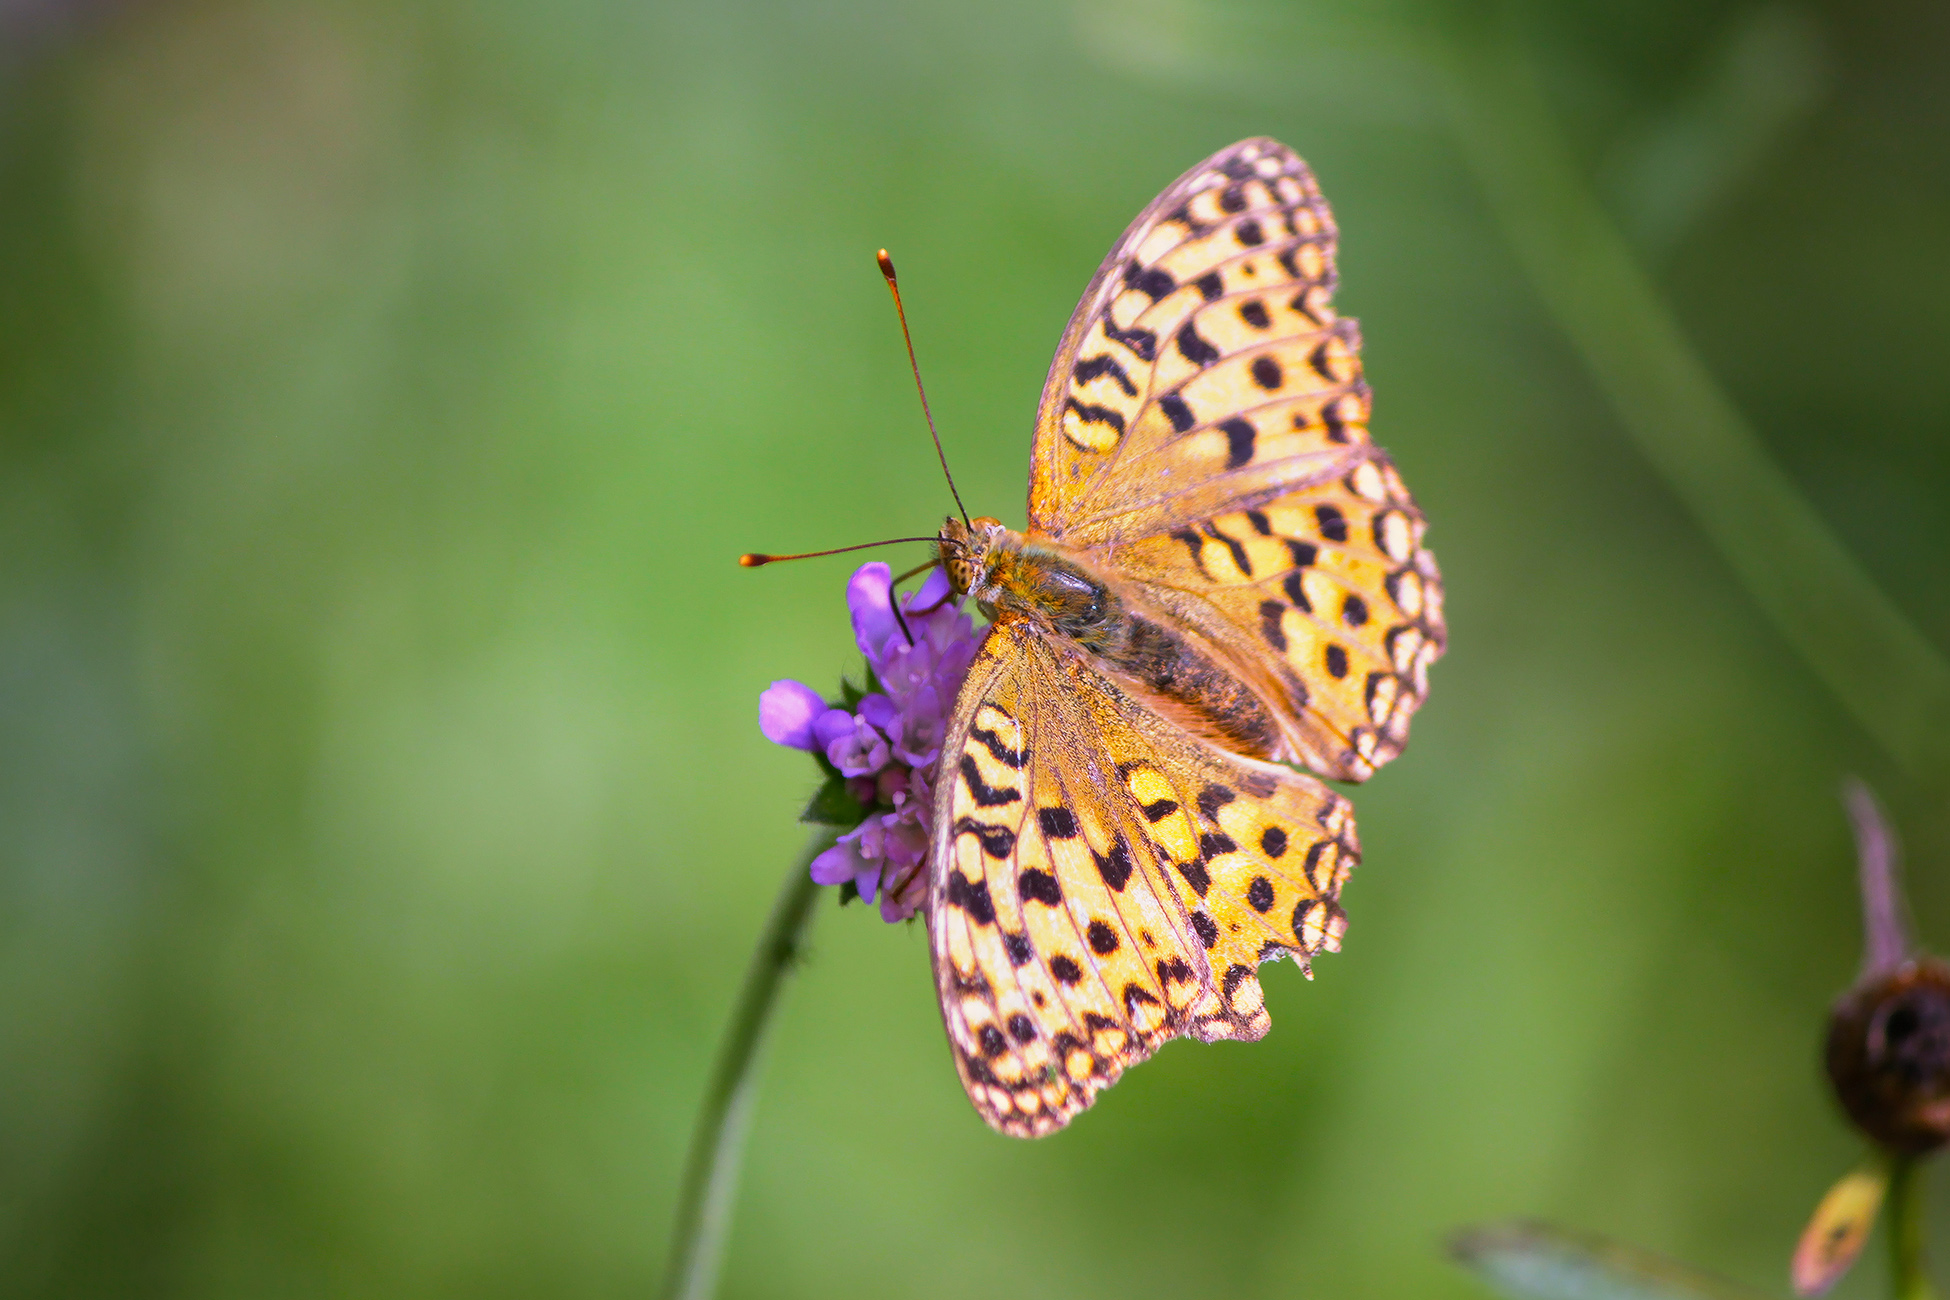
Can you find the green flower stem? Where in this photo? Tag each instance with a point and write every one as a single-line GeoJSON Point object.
{"type": "Point", "coordinates": [1886, 674]}
{"type": "Point", "coordinates": [705, 1202]}
{"type": "Point", "coordinates": [1908, 1277]}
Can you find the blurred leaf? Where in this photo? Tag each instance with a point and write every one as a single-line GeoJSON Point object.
{"type": "Point", "coordinates": [1839, 1228]}
{"type": "Point", "coordinates": [1536, 1261]}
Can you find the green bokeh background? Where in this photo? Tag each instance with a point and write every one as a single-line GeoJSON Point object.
{"type": "Point", "coordinates": [386, 389]}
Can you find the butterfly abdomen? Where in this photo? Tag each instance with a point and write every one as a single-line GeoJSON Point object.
{"type": "Point", "coordinates": [1182, 677]}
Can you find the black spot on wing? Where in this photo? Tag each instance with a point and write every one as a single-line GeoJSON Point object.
{"type": "Point", "coordinates": [1261, 524]}
{"type": "Point", "coordinates": [1336, 661]}
{"type": "Point", "coordinates": [1154, 282]}
{"type": "Point", "coordinates": [1212, 798]}
{"type": "Point", "coordinates": [1267, 373]}
{"type": "Point", "coordinates": [1142, 342]}
{"type": "Point", "coordinates": [1249, 233]}
{"type": "Point", "coordinates": [1135, 996]}
{"type": "Point", "coordinates": [993, 1043]}
{"type": "Point", "coordinates": [1208, 929]}
{"type": "Point", "coordinates": [1036, 885]}
{"type": "Point", "coordinates": [1018, 946]}
{"type": "Point", "coordinates": [1296, 591]}
{"type": "Point", "coordinates": [1103, 939]}
{"type": "Point", "coordinates": [1065, 970]}
{"type": "Point", "coordinates": [1330, 416]}
{"type": "Point", "coordinates": [1000, 752]}
{"type": "Point", "coordinates": [1240, 435]}
{"type": "Point", "coordinates": [1196, 545]}
{"type": "Point", "coordinates": [1270, 613]}
{"type": "Point", "coordinates": [1210, 285]}
{"type": "Point", "coordinates": [1333, 524]}
{"type": "Point", "coordinates": [1303, 553]}
{"type": "Point", "coordinates": [1260, 894]}
{"type": "Point", "coordinates": [1090, 413]}
{"type": "Point", "coordinates": [1096, 367]}
{"type": "Point", "coordinates": [985, 795]}
{"type": "Point", "coordinates": [1177, 411]}
{"type": "Point", "coordinates": [1233, 544]}
{"type": "Point", "coordinates": [1272, 841]}
{"type": "Point", "coordinates": [1196, 876]}
{"type": "Point", "coordinates": [971, 897]}
{"type": "Point", "coordinates": [1057, 823]}
{"type": "Point", "coordinates": [1214, 843]}
{"type": "Point", "coordinates": [1235, 975]}
{"type": "Point", "coordinates": [1193, 347]}
{"type": "Point", "coordinates": [997, 841]}
{"type": "Point", "coordinates": [1022, 1028]}
{"type": "Point", "coordinates": [1317, 876]}
{"type": "Point", "coordinates": [1233, 198]}
{"type": "Point", "coordinates": [1159, 810]}
{"type": "Point", "coordinates": [1318, 360]}
{"type": "Point", "coordinates": [1354, 611]}
{"type": "Point", "coordinates": [1115, 866]}
{"type": "Point", "coordinates": [1253, 312]}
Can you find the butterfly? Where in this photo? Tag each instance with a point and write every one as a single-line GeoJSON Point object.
{"type": "Point", "coordinates": [1221, 577]}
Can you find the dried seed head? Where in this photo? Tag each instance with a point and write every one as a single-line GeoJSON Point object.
{"type": "Point", "coordinates": [1889, 1055]}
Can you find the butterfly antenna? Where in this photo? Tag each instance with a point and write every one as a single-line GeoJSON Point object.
{"type": "Point", "coordinates": [756, 558]}
{"type": "Point", "coordinates": [893, 286]}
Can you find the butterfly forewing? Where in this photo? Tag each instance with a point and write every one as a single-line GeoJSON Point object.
{"type": "Point", "coordinates": [1103, 882]}
{"type": "Point", "coordinates": [1204, 429]}
{"type": "Point", "coordinates": [1205, 363]}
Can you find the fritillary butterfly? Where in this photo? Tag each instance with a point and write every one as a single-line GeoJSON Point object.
{"type": "Point", "coordinates": [1221, 575]}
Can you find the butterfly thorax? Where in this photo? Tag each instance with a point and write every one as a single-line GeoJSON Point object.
{"type": "Point", "coordinates": [1063, 591]}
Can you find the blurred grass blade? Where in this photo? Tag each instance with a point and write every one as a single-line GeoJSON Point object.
{"type": "Point", "coordinates": [710, 1187]}
{"type": "Point", "coordinates": [1839, 1228]}
{"type": "Point", "coordinates": [1535, 1261]}
{"type": "Point", "coordinates": [1889, 678]}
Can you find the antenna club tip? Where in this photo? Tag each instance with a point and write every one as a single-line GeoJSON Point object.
{"type": "Point", "coordinates": [753, 561]}
{"type": "Point", "coordinates": [886, 265]}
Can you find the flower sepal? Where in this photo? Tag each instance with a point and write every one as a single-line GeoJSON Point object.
{"type": "Point", "coordinates": [834, 803]}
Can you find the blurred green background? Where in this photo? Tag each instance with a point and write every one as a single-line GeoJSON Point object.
{"type": "Point", "coordinates": [386, 390]}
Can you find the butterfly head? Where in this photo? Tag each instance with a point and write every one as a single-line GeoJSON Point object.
{"type": "Point", "coordinates": [967, 550]}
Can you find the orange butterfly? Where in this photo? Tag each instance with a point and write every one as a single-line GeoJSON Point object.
{"type": "Point", "coordinates": [1221, 575]}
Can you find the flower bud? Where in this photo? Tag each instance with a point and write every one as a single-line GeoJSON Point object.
{"type": "Point", "coordinates": [1889, 1055]}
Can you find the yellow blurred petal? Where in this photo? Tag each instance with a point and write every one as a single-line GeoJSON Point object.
{"type": "Point", "coordinates": [1841, 1223]}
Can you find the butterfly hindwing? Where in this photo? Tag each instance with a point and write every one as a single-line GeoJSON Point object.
{"type": "Point", "coordinates": [1330, 589]}
{"type": "Point", "coordinates": [1103, 882]}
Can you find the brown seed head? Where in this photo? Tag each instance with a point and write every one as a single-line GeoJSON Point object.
{"type": "Point", "coordinates": [1889, 1055]}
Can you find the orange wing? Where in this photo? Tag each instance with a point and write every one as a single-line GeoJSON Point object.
{"type": "Point", "coordinates": [1101, 882]}
{"type": "Point", "coordinates": [1204, 430]}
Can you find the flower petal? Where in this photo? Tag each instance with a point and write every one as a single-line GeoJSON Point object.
{"type": "Point", "coordinates": [830, 726]}
{"type": "Point", "coordinates": [786, 712]}
{"type": "Point", "coordinates": [933, 591]}
{"type": "Point", "coordinates": [879, 711]}
{"type": "Point", "coordinates": [837, 865]}
{"type": "Point", "coordinates": [869, 600]}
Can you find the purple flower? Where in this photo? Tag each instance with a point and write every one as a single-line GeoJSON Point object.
{"type": "Point", "coordinates": [786, 712]}
{"type": "Point", "coordinates": [887, 744]}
